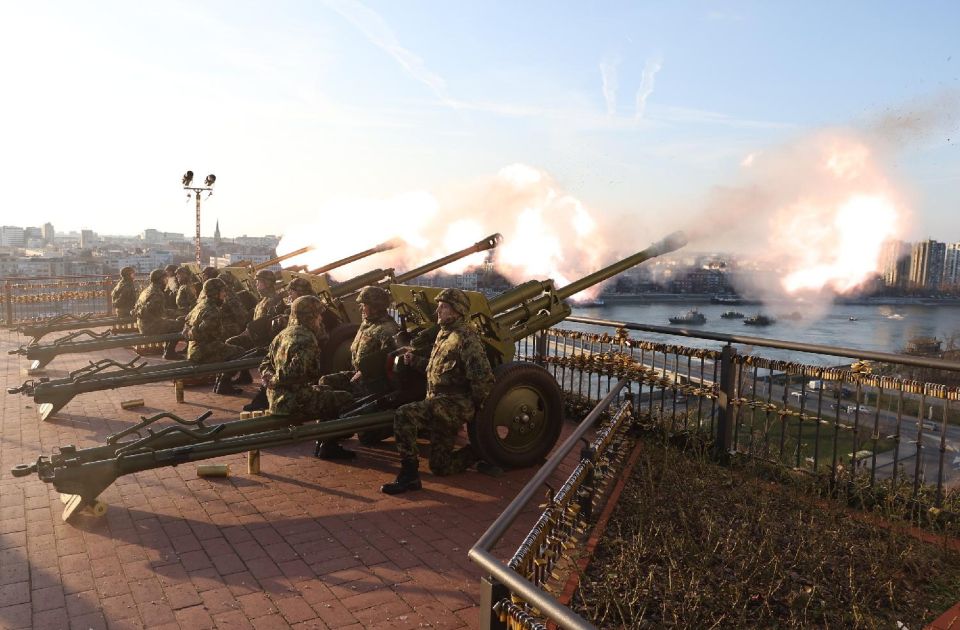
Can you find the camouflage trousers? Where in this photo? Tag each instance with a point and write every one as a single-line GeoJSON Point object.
{"type": "Point", "coordinates": [311, 402]}
{"type": "Point", "coordinates": [159, 326]}
{"type": "Point", "coordinates": [211, 351]}
{"type": "Point", "coordinates": [442, 416]}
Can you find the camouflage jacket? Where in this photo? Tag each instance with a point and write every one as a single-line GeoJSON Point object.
{"type": "Point", "coordinates": [458, 364]}
{"type": "Point", "coordinates": [292, 365]}
{"type": "Point", "coordinates": [124, 296]}
{"type": "Point", "coordinates": [235, 316]}
{"type": "Point", "coordinates": [204, 331]}
{"type": "Point", "coordinates": [269, 306]}
{"type": "Point", "coordinates": [369, 350]}
{"type": "Point", "coordinates": [186, 298]}
{"type": "Point", "coordinates": [150, 308]}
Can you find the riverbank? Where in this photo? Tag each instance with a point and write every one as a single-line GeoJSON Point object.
{"type": "Point", "coordinates": [705, 298]}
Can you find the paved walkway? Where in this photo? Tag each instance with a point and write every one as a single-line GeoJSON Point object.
{"type": "Point", "coordinates": [305, 544]}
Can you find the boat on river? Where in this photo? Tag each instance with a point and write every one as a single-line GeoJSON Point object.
{"type": "Point", "coordinates": [759, 320]}
{"type": "Point", "coordinates": [691, 317]}
{"type": "Point", "coordinates": [732, 315]}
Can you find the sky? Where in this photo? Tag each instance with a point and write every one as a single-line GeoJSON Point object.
{"type": "Point", "coordinates": [641, 111]}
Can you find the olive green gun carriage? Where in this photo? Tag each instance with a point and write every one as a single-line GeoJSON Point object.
{"type": "Point", "coordinates": [518, 425]}
{"type": "Point", "coordinates": [87, 340]}
{"type": "Point", "coordinates": [51, 395]}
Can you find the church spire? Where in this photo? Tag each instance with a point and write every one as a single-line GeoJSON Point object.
{"type": "Point", "coordinates": [216, 234]}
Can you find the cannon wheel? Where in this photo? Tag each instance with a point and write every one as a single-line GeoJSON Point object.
{"type": "Point", "coordinates": [521, 420]}
{"type": "Point", "coordinates": [336, 354]}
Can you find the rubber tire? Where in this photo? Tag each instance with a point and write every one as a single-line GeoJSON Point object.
{"type": "Point", "coordinates": [518, 380]}
{"type": "Point", "coordinates": [336, 352]}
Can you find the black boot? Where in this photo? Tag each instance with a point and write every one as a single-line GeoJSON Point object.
{"type": "Point", "coordinates": [332, 450]}
{"type": "Point", "coordinates": [244, 378]}
{"type": "Point", "coordinates": [170, 352]}
{"type": "Point", "coordinates": [223, 385]}
{"type": "Point", "coordinates": [408, 479]}
{"type": "Point", "coordinates": [259, 401]}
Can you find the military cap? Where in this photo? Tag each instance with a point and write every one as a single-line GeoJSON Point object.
{"type": "Point", "coordinates": [266, 275]}
{"type": "Point", "coordinates": [306, 307]}
{"type": "Point", "coordinates": [157, 275]}
{"type": "Point", "coordinates": [374, 297]}
{"type": "Point", "coordinates": [456, 298]}
{"type": "Point", "coordinates": [213, 287]}
{"type": "Point", "coordinates": [209, 272]}
{"type": "Point", "coordinates": [171, 268]}
{"type": "Point", "coordinates": [301, 286]}
{"type": "Point", "coordinates": [183, 271]}
{"type": "Point", "coordinates": [127, 271]}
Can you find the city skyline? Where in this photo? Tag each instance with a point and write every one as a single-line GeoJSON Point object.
{"type": "Point", "coordinates": [636, 112]}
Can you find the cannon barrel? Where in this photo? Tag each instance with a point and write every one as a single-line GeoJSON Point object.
{"type": "Point", "coordinates": [382, 247]}
{"type": "Point", "coordinates": [488, 243]}
{"type": "Point", "coordinates": [280, 259]}
{"type": "Point", "coordinates": [355, 284]}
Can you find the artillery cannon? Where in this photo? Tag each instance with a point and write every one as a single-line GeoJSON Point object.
{"type": "Point", "coordinates": [88, 340]}
{"type": "Point", "coordinates": [52, 395]}
{"type": "Point", "coordinates": [518, 425]}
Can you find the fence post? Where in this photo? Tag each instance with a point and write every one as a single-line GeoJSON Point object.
{"type": "Point", "coordinates": [541, 347]}
{"type": "Point", "coordinates": [491, 592]}
{"type": "Point", "coordinates": [726, 409]}
{"type": "Point", "coordinates": [8, 301]}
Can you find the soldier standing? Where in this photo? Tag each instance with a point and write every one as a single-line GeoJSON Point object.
{"type": "Point", "coordinates": [151, 314]}
{"type": "Point", "coordinates": [205, 334]}
{"type": "Point", "coordinates": [124, 294]}
{"type": "Point", "coordinates": [459, 378]}
{"type": "Point", "coordinates": [291, 369]}
{"type": "Point", "coordinates": [372, 344]}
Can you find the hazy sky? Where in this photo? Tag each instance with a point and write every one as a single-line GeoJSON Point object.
{"type": "Point", "coordinates": [630, 107]}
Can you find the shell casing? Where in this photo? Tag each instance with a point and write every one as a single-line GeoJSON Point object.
{"type": "Point", "coordinates": [213, 470]}
{"type": "Point", "coordinates": [253, 462]}
{"type": "Point", "coordinates": [132, 403]}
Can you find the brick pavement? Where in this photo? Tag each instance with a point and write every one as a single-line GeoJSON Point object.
{"type": "Point", "coordinates": [305, 544]}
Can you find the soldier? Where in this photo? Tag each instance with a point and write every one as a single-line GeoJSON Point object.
{"type": "Point", "coordinates": [459, 378]}
{"type": "Point", "coordinates": [205, 334]}
{"type": "Point", "coordinates": [124, 294]}
{"type": "Point", "coordinates": [291, 369]}
{"type": "Point", "coordinates": [186, 297]}
{"type": "Point", "coordinates": [368, 353]}
{"type": "Point", "coordinates": [298, 287]}
{"type": "Point", "coordinates": [257, 333]}
{"type": "Point", "coordinates": [235, 316]}
{"type": "Point", "coordinates": [170, 286]}
{"type": "Point", "coordinates": [151, 314]}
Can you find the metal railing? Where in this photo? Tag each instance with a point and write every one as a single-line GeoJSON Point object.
{"type": "Point", "coordinates": [855, 422]}
{"type": "Point", "coordinates": [28, 300]}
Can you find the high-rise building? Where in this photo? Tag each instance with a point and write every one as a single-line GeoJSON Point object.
{"type": "Point", "coordinates": [48, 233]}
{"type": "Point", "coordinates": [895, 263]}
{"type": "Point", "coordinates": [87, 239]}
{"type": "Point", "coordinates": [11, 236]}
{"type": "Point", "coordinates": [926, 264]}
{"type": "Point", "coordinates": [951, 267]}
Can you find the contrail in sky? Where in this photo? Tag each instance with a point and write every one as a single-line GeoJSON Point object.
{"type": "Point", "coordinates": [650, 71]}
{"type": "Point", "coordinates": [608, 74]}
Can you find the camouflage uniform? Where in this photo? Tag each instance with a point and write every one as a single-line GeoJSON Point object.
{"type": "Point", "coordinates": [371, 345]}
{"type": "Point", "coordinates": [204, 328]}
{"type": "Point", "coordinates": [235, 316]}
{"type": "Point", "coordinates": [258, 331]}
{"type": "Point", "coordinates": [124, 295]}
{"type": "Point", "coordinates": [150, 309]}
{"type": "Point", "coordinates": [291, 369]}
{"type": "Point", "coordinates": [459, 378]}
{"type": "Point", "coordinates": [186, 298]}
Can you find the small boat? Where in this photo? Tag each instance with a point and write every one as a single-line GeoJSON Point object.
{"type": "Point", "coordinates": [853, 319]}
{"type": "Point", "coordinates": [895, 316]}
{"type": "Point", "coordinates": [759, 320]}
{"type": "Point", "coordinates": [693, 316]}
{"type": "Point", "coordinates": [732, 315]}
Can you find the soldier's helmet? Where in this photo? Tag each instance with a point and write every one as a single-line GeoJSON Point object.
{"type": "Point", "coordinates": [301, 286]}
{"type": "Point", "coordinates": [183, 272]}
{"type": "Point", "coordinates": [456, 298]}
{"type": "Point", "coordinates": [213, 287]}
{"type": "Point", "coordinates": [374, 297]}
{"type": "Point", "coordinates": [267, 276]}
{"type": "Point", "coordinates": [209, 272]}
{"type": "Point", "coordinates": [158, 276]}
{"type": "Point", "coordinates": [127, 271]}
{"type": "Point", "coordinates": [305, 309]}
{"type": "Point", "coordinates": [171, 269]}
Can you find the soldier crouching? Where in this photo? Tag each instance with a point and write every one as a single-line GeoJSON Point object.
{"type": "Point", "coordinates": [459, 378]}
{"type": "Point", "coordinates": [291, 369]}
{"type": "Point", "coordinates": [205, 334]}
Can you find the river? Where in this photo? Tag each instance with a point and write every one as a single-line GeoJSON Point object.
{"type": "Point", "coordinates": [874, 327]}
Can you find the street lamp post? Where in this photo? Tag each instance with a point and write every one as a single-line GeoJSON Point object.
{"type": "Point", "coordinates": [208, 188]}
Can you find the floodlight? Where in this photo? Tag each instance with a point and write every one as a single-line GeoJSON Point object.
{"type": "Point", "coordinates": [187, 178]}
